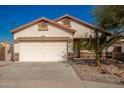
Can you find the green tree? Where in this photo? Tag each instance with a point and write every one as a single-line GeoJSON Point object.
{"type": "Point", "coordinates": [108, 18]}
{"type": "Point", "coordinates": [97, 43]}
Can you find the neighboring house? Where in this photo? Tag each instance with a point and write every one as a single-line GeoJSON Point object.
{"type": "Point", "coordinates": [117, 47]}
{"type": "Point", "coordinates": [50, 40]}
{"type": "Point", "coordinates": [116, 51]}
{"type": "Point", "coordinates": [6, 51]}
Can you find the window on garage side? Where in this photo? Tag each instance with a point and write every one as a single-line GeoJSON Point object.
{"type": "Point", "coordinates": [66, 22]}
{"type": "Point", "coordinates": [43, 26]}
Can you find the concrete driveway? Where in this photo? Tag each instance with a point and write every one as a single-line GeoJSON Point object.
{"type": "Point", "coordinates": [49, 75]}
{"type": "Point", "coordinates": [37, 74]}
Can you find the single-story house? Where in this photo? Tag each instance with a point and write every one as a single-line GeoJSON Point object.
{"type": "Point", "coordinates": [50, 40]}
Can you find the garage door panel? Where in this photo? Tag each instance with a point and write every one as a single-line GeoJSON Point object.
{"type": "Point", "coordinates": [46, 51]}
{"type": "Point", "coordinates": [28, 50]}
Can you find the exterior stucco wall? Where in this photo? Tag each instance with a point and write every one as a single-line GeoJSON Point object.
{"type": "Point", "coordinates": [16, 48]}
{"type": "Point", "coordinates": [81, 30]}
{"type": "Point", "coordinates": [53, 31]}
{"type": "Point", "coordinates": [70, 47]}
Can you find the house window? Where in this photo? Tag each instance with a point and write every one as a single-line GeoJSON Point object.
{"type": "Point", "coordinates": [117, 49]}
{"type": "Point", "coordinates": [66, 22]}
{"type": "Point", "coordinates": [43, 26]}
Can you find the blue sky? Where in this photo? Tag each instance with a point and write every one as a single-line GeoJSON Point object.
{"type": "Point", "coordinates": [24, 14]}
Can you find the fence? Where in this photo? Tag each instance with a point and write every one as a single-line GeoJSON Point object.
{"type": "Point", "coordinates": [2, 52]}
{"type": "Point", "coordinates": [113, 55]}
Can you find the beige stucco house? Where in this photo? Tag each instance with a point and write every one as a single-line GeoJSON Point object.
{"type": "Point", "coordinates": [50, 40]}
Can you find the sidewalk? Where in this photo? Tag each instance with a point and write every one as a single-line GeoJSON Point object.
{"type": "Point", "coordinates": [90, 84]}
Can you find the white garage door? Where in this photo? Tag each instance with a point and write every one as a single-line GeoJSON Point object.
{"type": "Point", "coordinates": [45, 51]}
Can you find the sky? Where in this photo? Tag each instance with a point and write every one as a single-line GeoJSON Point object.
{"type": "Point", "coordinates": [21, 15]}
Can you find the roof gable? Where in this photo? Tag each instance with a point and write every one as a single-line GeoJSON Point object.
{"type": "Point", "coordinates": [39, 20]}
{"type": "Point", "coordinates": [76, 20]}
{"type": "Point", "coordinates": [82, 23]}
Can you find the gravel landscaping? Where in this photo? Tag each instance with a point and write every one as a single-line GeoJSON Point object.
{"type": "Point", "coordinates": [92, 73]}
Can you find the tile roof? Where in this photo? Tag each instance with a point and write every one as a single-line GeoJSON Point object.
{"type": "Point", "coordinates": [39, 20]}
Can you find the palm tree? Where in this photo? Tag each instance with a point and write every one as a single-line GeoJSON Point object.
{"type": "Point", "coordinates": [99, 42]}
{"type": "Point", "coordinates": [108, 18]}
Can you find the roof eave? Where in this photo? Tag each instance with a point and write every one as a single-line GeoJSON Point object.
{"type": "Point", "coordinates": [42, 19]}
